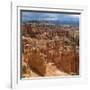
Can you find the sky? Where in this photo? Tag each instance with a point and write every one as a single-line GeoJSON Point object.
{"type": "Point", "coordinates": [47, 16]}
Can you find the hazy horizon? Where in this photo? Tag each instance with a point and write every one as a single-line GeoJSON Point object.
{"type": "Point", "coordinates": [57, 18]}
